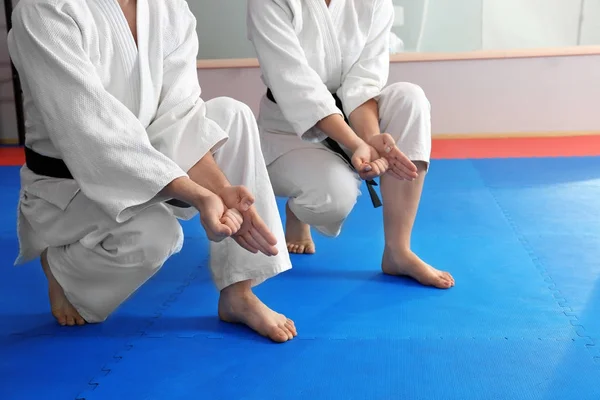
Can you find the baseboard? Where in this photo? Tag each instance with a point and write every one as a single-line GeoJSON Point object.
{"type": "Point", "coordinates": [507, 135]}
{"type": "Point", "coordinates": [9, 142]}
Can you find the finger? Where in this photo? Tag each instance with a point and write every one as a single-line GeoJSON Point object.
{"type": "Point", "coordinates": [381, 168]}
{"type": "Point", "coordinates": [245, 197]}
{"type": "Point", "coordinates": [263, 230]}
{"type": "Point", "coordinates": [264, 247]}
{"type": "Point", "coordinates": [236, 219]}
{"type": "Point", "coordinates": [236, 215]}
{"type": "Point", "coordinates": [222, 230]}
{"type": "Point", "coordinates": [401, 170]}
{"type": "Point", "coordinates": [395, 175]}
{"type": "Point", "coordinates": [405, 161]}
{"type": "Point", "coordinates": [359, 163]}
{"type": "Point", "coordinates": [231, 222]}
{"type": "Point", "coordinates": [382, 164]}
{"type": "Point", "coordinates": [366, 167]}
{"type": "Point", "coordinates": [214, 236]}
{"type": "Point", "coordinates": [367, 176]}
{"type": "Point", "coordinates": [251, 241]}
{"type": "Point", "coordinates": [396, 155]}
{"type": "Point", "coordinates": [242, 242]}
{"type": "Point", "coordinates": [215, 230]}
{"type": "Point", "coordinates": [375, 169]}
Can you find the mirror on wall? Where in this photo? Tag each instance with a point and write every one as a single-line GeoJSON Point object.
{"type": "Point", "coordinates": [432, 26]}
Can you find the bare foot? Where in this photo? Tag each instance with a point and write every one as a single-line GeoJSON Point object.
{"type": "Point", "coordinates": [412, 266]}
{"type": "Point", "coordinates": [297, 234]}
{"type": "Point", "coordinates": [238, 305]}
{"type": "Point", "coordinates": [62, 309]}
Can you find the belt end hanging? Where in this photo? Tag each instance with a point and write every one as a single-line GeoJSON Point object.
{"type": "Point", "coordinates": [374, 197]}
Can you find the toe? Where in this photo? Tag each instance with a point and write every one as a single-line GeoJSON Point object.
{"type": "Point", "coordinates": [70, 320]}
{"type": "Point", "coordinates": [310, 249]}
{"type": "Point", "coordinates": [60, 318]}
{"type": "Point", "coordinates": [449, 278]}
{"type": "Point", "coordinates": [289, 335]}
{"type": "Point", "coordinates": [277, 334]}
{"type": "Point", "coordinates": [442, 282]}
{"type": "Point", "coordinates": [289, 324]}
{"type": "Point", "coordinates": [446, 283]}
{"type": "Point", "coordinates": [80, 321]}
{"type": "Point", "coordinates": [300, 249]}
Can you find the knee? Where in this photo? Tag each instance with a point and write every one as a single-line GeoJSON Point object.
{"type": "Point", "coordinates": [233, 106]}
{"type": "Point", "coordinates": [408, 95]}
{"type": "Point", "coordinates": [406, 112]}
{"type": "Point", "coordinates": [236, 118]}
{"type": "Point", "coordinates": [160, 236]}
{"type": "Point", "coordinates": [331, 203]}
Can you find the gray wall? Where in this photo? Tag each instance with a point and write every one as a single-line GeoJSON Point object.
{"type": "Point", "coordinates": [221, 29]}
{"type": "Point", "coordinates": [450, 26]}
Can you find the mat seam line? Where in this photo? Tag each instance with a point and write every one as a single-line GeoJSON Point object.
{"type": "Point", "coordinates": [559, 298]}
{"type": "Point", "coordinates": [108, 367]}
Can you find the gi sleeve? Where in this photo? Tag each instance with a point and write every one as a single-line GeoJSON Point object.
{"type": "Point", "coordinates": [102, 143]}
{"type": "Point", "coordinates": [181, 129]}
{"type": "Point", "coordinates": [300, 93]}
{"type": "Point", "coordinates": [369, 74]}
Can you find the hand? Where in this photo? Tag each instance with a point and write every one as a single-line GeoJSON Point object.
{"type": "Point", "coordinates": [368, 163]}
{"type": "Point", "coordinates": [254, 235]}
{"type": "Point", "coordinates": [237, 197]}
{"type": "Point", "coordinates": [218, 221]}
{"type": "Point", "coordinates": [400, 166]}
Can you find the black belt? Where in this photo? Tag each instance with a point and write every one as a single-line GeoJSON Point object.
{"type": "Point", "coordinates": [335, 147]}
{"type": "Point", "coordinates": [56, 168]}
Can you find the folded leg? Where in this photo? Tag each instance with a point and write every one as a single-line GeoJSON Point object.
{"type": "Point", "coordinates": [241, 160]}
{"type": "Point", "coordinates": [404, 113]}
{"type": "Point", "coordinates": [96, 262]}
{"type": "Point", "coordinates": [234, 269]}
{"type": "Point", "coordinates": [322, 190]}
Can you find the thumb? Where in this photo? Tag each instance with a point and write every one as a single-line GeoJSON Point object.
{"type": "Point", "coordinates": [214, 224]}
{"type": "Point", "coordinates": [388, 142]}
{"type": "Point", "coordinates": [360, 164]}
{"type": "Point", "coordinates": [245, 198]}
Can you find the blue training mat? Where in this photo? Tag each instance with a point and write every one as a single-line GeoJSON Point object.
{"type": "Point", "coordinates": [520, 236]}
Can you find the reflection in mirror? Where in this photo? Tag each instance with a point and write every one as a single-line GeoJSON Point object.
{"type": "Point", "coordinates": [432, 26]}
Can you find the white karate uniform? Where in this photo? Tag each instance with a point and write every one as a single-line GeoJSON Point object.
{"type": "Point", "coordinates": [307, 51]}
{"type": "Point", "coordinates": [127, 120]}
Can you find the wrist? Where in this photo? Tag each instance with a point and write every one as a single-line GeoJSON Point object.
{"type": "Point", "coordinates": [355, 143]}
{"type": "Point", "coordinates": [201, 197]}
{"type": "Point", "coordinates": [369, 135]}
{"type": "Point", "coordinates": [221, 187]}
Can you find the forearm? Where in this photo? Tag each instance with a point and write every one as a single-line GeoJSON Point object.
{"type": "Point", "coordinates": [205, 179]}
{"type": "Point", "coordinates": [365, 120]}
{"type": "Point", "coordinates": [186, 190]}
{"type": "Point", "coordinates": [336, 128]}
{"type": "Point", "coordinates": [207, 174]}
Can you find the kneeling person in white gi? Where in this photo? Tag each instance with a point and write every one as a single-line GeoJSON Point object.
{"type": "Point", "coordinates": [119, 143]}
{"type": "Point", "coordinates": [322, 59]}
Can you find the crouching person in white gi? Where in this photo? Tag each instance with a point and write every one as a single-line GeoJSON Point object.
{"type": "Point", "coordinates": [119, 143]}
{"type": "Point", "coordinates": [328, 120]}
